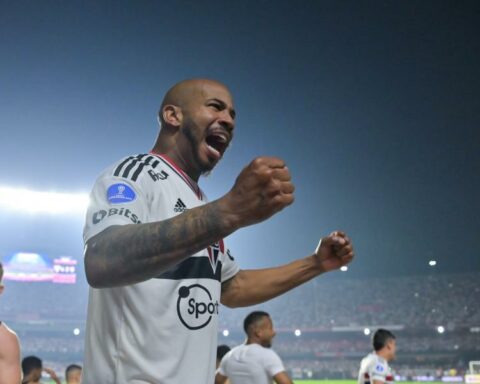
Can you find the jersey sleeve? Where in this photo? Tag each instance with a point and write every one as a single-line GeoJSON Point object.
{"type": "Point", "coordinates": [378, 371]}
{"type": "Point", "coordinates": [229, 266]}
{"type": "Point", "coordinates": [222, 369]}
{"type": "Point", "coordinates": [114, 201]}
{"type": "Point", "coordinates": [273, 363]}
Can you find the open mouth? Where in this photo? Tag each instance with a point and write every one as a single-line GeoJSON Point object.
{"type": "Point", "coordinates": [217, 142]}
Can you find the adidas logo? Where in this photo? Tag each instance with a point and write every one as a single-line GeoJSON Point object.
{"type": "Point", "coordinates": [179, 206]}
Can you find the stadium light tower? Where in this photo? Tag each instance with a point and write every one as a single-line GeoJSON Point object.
{"type": "Point", "coordinates": [226, 332]}
{"type": "Point", "coordinates": [366, 331]}
{"type": "Point", "coordinates": [432, 263]}
{"type": "Point", "coordinates": [298, 332]}
{"type": "Point", "coordinates": [344, 268]}
{"type": "Point", "coordinates": [440, 329]}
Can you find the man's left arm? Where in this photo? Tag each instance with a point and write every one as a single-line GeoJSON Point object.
{"type": "Point", "coordinates": [250, 287]}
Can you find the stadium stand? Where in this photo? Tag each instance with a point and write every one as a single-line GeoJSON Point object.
{"type": "Point", "coordinates": [332, 339]}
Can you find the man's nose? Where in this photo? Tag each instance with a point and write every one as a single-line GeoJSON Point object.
{"type": "Point", "coordinates": [226, 120]}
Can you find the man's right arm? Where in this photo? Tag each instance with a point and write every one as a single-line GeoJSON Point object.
{"type": "Point", "coordinates": [128, 254]}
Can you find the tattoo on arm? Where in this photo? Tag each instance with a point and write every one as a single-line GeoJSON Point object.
{"type": "Point", "coordinates": [128, 254]}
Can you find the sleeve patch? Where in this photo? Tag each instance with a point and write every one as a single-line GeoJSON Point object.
{"type": "Point", "coordinates": [120, 193]}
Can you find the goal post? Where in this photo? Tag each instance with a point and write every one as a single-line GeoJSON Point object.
{"type": "Point", "coordinates": [473, 375]}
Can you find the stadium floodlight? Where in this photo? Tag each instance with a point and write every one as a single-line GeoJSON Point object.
{"type": "Point", "coordinates": [440, 329]}
{"type": "Point", "coordinates": [76, 331]}
{"type": "Point", "coordinates": [29, 201]}
{"type": "Point", "coordinates": [366, 331]}
{"type": "Point", "coordinates": [226, 332]}
{"type": "Point", "coordinates": [432, 263]}
{"type": "Point", "coordinates": [298, 332]}
{"type": "Point", "coordinates": [344, 268]}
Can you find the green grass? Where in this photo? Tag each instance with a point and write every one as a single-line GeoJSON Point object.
{"type": "Point", "coordinates": [348, 382]}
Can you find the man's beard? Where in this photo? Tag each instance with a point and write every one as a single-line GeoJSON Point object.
{"type": "Point", "coordinates": [205, 170]}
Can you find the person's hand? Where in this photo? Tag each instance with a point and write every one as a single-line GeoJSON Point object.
{"type": "Point", "coordinates": [334, 251]}
{"type": "Point", "coordinates": [262, 189]}
{"type": "Point", "coordinates": [52, 374]}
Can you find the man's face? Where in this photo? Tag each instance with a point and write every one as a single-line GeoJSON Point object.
{"type": "Point", "coordinates": [207, 126]}
{"type": "Point", "coordinates": [36, 374]}
{"type": "Point", "coordinates": [392, 348]}
{"type": "Point", "coordinates": [266, 332]}
{"type": "Point", "coordinates": [74, 376]}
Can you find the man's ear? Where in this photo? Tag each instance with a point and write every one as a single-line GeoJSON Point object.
{"type": "Point", "coordinates": [172, 115]}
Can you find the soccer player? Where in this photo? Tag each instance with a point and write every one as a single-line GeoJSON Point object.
{"type": "Point", "coordinates": [254, 362]}
{"type": "Point", "coordinates": [154, 250]}
{"type": "Point", "coordinates": [374, 368]}
{"type": "Point", "coordinates": [10, 369]}
{"type": "Point", "coordinates": [73, 374]}
{"type": "Point", "coordinates": [222, 350]}
{"type": "Point", "coordinates": [32, 368]}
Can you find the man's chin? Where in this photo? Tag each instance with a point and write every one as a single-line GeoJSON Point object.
{"type": "Point", "coordinates": [207, 168]}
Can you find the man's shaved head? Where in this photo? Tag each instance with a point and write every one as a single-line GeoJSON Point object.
{"type": "Point", "coordinates": [185, 91]}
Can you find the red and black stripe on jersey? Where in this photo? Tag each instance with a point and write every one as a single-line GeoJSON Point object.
{"type": "Point", "coordinates": [388, 378]}
{"type": "Point", "coordinates": [132, 166]}
{"type": "Point", "coordinates": [193, 268]}
{"type": "Point", "coordinates": [176, 169]}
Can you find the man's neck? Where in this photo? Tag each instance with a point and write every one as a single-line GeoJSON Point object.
{"type": "Point", "coordinates": [181, 162]}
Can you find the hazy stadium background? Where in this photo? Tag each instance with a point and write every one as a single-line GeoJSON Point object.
{"type": "Point", "coordinates": [323, 327]}
{"type": "Point", "coordinates": [374, 105]}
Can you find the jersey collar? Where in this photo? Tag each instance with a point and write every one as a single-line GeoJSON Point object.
{"type": "Point", "coordinates": [175, 168]}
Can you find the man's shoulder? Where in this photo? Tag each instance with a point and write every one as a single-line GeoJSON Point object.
{"type": "Point", "coordinates": [144, 168]}
{"type": "Point", "coordinates": [261, 351]}
{"type": "Point", "coordinates": [133, 167]}
{"type": "Point", "coordinates": [8, 337]}
{"type": "Point", "coordinates": [378, 364]}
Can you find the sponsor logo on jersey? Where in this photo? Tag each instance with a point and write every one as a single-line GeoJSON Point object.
{"type": "Point", "coordinates": [120, 193]}
{"type": "Point", "coordinates": [162, 175]}
{"type": "Point", "coordinates": [195, 306]}
{"type": "Point", "coordinates": [179, 206]}
{"type": "Point", "coordinates": [379, 368]}
{"type": "Point", "coordinates": [101, 214]}
{"type": "Point", "coordinates": [213, 253]}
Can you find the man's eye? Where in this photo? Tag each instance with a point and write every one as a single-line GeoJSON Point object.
{"type": "Point", "coordinates": [218, 107]}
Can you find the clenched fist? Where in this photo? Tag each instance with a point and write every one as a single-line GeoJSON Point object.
{"type": "Point", "coordinates": [334, 251]}
{"type": "Point", "coordinates": [262, 189]}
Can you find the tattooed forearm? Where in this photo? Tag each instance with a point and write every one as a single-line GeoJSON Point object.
{"type": "Point", "coordinates": [128, 254]}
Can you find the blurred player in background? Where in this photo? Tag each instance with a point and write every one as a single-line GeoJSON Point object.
{"type": "Point", "coordinates": [10, 369]}
{"type": "Point", "coordinates": [222, 350]}
{"type": "Point", "coordinates": [73, 374]}
{"type": "Point", "coordinates": [374, 368]}
{"type": "Point", "coordinates": [254, 362]}
{"type": "Point", "coordinates": [154, 250]}
{"type": "Point", "coordinates": [32, 368]}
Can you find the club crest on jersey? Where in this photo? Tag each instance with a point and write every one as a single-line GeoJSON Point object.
{"type": "Point", "coordinates": [120, 193]}
{"type": "Point", "coordinates": [213, 253]}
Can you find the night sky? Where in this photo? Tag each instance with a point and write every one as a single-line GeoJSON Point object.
{"type": "Point", "coordinates": [374, 106]}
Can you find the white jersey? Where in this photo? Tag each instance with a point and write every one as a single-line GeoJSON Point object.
{"type": "Point", "coordinates": [374, 367]}
{"type": "Point", "coordinates": [251, 364]}
{"type": "Point", "coordinates": [163, 330]}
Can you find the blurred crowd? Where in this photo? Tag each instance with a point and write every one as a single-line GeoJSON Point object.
{"type": "Point", "coordinates": [413, 301]}
{"type": "Point", "coordinates": [331, 315]}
